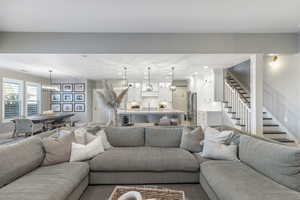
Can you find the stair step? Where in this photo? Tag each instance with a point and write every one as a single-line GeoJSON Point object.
{"type": "Point", "coordinates": [232, 112]}
{"type": "Point", "coordinates": [228, 107]}
{"type": "Point", "coordinates": [274, 132]}
{"type": "Point", "coordinates": [267, 118]}
{"type": "Point", "coordinates": [271, 125]}
{"type": "Point", "coordinates": [235, 118]}
{"type": "Point", "coordinates": [283, 140]}
{"type": "Point", "coordinates": [242, 125]}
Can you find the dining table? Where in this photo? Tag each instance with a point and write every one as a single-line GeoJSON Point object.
{"type": "Point", "coordinates": [45, 119]}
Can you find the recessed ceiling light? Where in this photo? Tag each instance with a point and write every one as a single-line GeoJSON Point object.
{"type": "Point", "coordinates": [84, 56]}
{"type": "Point", "coordinates": [195, 73]}
{"type": "Point", "coordinates": [205, 67]}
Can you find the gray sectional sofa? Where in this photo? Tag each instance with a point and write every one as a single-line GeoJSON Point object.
{"type": "Point", "coordinates": [151, 156]}
{"type": "Point", "coordinates": [266, 171]}
{"type": "Point", "coordinates": [22, 177]}
{"type": "Point", "coordinates": [144, 156]}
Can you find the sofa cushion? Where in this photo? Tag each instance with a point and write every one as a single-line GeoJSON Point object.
{"type": "Point", "coordinates": [233, 180]}
{"type": "Point", "coordinates": [57, 148]}
{"type": "Point", "coordinates": [279, 162]}
{"type": "Point", "coordinates": [19, 158]}
{"type": "Point", "coordinates": [191, 139]}
{"type": "Point", "coordinates": [145, 159]}
{"type": "Point", "coordinates": [125, 136]}
{"type": "Point", "coordinates": [163, 136]}
{"type": "Point", "coordinates": [53, 182]}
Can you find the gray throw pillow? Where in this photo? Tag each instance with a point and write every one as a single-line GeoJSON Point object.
{"type": "Point", "coordinates": [93, 129]}
{"type": "Point", "coordinates": [57, 149]}
{"type": "Point", "coordinates": [191, 139]}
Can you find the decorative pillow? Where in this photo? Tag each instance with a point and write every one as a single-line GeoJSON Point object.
{"type": "Point", "coordinates": [218, 151]}
{"type": "Point", "coordinates": [57, 149]}
{"type": "Point", "coordinates": [191, 139]}
{"type": "Point", "coordinates": [80, 135]}
{"type": "Point", "coordinates": [84, 152]}
{"type": "Point", "coordinates": [105, 142]}
{"type": "Point", "coordinates": [89, 137]}
{"type": "Point", "coordinates": [93, 129]}
{"type": "Point", "coordinates": [223, 137]}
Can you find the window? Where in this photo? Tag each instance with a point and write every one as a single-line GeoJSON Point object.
{"type": "Point", "coordinates": [12, 98]}
{"type": "Point", "coordinates": [33, 96]}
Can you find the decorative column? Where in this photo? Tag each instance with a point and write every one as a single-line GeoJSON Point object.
{"type": "Point", "coordinates": [256, 86]}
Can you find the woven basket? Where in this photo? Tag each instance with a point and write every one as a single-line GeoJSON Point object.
{"type": "Point", "coordinates": [149, 193]}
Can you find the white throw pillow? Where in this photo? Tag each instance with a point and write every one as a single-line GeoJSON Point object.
{"type": "Point", "coordinates": [89, 137]}
{"type": "Point", "coordinates": [81, 152]}
{"type": "Point", "coordinates": [212, 134]}
{"type": "Point", "coordinates": [218, 151]}
{"type": "Point", "coordinates": [80, 135]}
{"type": "Point", "coordinates": [105, 142]}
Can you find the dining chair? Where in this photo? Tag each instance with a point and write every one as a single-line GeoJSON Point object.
{"type": "Point", "coordinates": [23, 126]}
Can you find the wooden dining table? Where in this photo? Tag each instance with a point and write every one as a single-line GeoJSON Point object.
{"type": "Point", "coordinates": [46, 119]}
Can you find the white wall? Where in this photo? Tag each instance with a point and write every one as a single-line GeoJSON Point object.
{"type": "Point", "coordinates": [4, 73]}
{"type": "Point", "coordinates": [282, 90]}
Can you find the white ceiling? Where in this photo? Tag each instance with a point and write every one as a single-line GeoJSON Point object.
{"type": "Point", "coordinates": [110, 66]}
{"type": "Point", "coordinates": [236, 16]}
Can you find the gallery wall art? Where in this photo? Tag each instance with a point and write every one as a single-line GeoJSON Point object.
{"type": "Point", "coordinates": [69, 97]}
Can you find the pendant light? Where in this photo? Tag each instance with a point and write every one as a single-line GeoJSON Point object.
{"type": "Point", "coordinates": [172, 86]}
{"type": "Point", "coordinates": [50, 87]}
{"type": "Point", "coordinates": [125, 81]}
{"type": "Point", "coordinates": [149, 87]}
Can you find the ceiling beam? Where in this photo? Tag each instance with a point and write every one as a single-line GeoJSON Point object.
{"type": "Point", "coordinates": [146, 43]}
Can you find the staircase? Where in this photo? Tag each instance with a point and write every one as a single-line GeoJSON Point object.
{"type": "Point", "coordinates": [237, 106]}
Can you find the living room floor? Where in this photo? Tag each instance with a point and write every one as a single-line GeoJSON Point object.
{"type": "Point", "coordinates": [102, 192]}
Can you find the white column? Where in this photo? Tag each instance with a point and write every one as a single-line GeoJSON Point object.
{"type": "Point", "coordinates": [256, 86]}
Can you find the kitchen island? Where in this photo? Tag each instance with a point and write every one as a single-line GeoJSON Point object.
{"type": "Point", "coordinates": [150, 115]}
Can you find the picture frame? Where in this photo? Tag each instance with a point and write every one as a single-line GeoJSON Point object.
{"type": "Point", "coordinates": [67, 97]}
{"type": "Point", "coordinates": [79, 87]}
{"type": "Point", "coordinates": [79, 97]}
{"type": "Point", "coordinates": [67, 87]}
{"type": "Point", "coordinates": [79, 107]}
{"type": "Point", "coordinates": [57, 86]}
{"type": "Point", "coordinates": [55, 97]}
{"type": "Point", "coordinates": [56, 107]}
{"type": "Point", "coordinates": [67, 107]}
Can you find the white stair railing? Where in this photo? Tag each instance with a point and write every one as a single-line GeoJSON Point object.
{"type": "Point", "coordinates": [239, 108]}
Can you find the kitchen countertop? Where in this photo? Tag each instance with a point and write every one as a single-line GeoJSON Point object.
{"type": "Point", "coordinates": [150, 111]}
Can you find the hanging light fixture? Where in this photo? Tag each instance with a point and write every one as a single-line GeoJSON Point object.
{"type": "Point", "coordinates": [125, 81]}
{"type": "Point", "coordinates": [149, 87]}
{"type": "Point", "coordinates": [50, 87]}
{"type": "Point", "coordinates": [172, 86]}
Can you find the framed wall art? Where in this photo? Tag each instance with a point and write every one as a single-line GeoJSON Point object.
{"type": "Point", "coordinates": [67, 107]}
{"type": "Point", "coordinates": [67, 97]}
{"type": "Point", "coordinates": [56, 107]}
{"type": "Point", "coordinates": [79, 97]}
{"type": "Point", "coordinates": [79, 87]}
{"type": "Point", "coordinates": [67, 87]}
{"type": "Point", "coordinates": [55, 97]}
{"type": "Point", "coordinates": [79, 107]}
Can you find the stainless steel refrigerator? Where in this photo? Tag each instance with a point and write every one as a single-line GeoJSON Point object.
{"type": "Point", "coordinates": [192, 108]}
